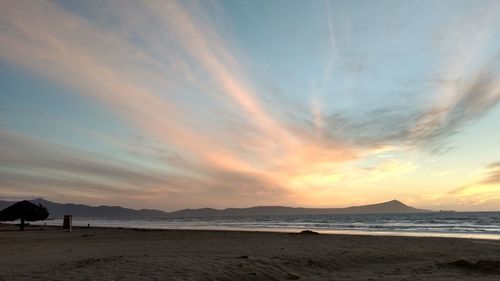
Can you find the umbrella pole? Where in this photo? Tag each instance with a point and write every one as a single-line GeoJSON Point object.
{"type": "Point", "coordinates": [22, 224]}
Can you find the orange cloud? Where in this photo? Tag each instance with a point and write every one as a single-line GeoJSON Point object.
{"type": "Point", "coordinates": [104, 66]}
{"type": "Point", "coordinates": [250, 152]}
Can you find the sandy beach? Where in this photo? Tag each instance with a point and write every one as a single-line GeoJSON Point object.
{"type": "Point", "coordinates": [132, 254]}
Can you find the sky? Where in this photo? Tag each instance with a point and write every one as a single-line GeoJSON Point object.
{"type": "Point", "coordinates": [169, 105]}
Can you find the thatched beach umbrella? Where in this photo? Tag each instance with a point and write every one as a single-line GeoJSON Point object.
{"type": "Point", "coordinates": [25, 211]}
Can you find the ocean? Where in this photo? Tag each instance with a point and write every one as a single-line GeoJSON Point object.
{"type": "Point", "coordinates": [485, 225]}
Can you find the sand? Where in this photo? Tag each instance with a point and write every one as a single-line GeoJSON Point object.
{"type": "Point", "coordinates": [127, 254]}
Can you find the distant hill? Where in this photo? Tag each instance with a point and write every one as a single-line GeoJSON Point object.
{"type": "Point", "coordinates": [58, 210]}
{"type": "Point", "coordinates": [389, 207]}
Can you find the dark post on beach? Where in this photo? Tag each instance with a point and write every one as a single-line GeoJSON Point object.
{"type": "Point", "coordinates": [67, 223]}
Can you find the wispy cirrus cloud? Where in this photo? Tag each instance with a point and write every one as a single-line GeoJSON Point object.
{"type": "Point", "coordinates": [461, 87]}
{"type": "Point", "coordinates": [111, 69]}
{"type": "Point", "coordinates": [483, 190]}
{"type": "Point", "coordinates": [493, 176]}
{"type": "Point", "coordinates": [418, 126]}
{"type": "Point", "coordinates": [169, 70]}
{"type": "Point", "coordinates": [32, 167]}
{"type": "Point", "coordinates": [47, 34]}
{"type": "Point", "coordinates": [26, 161]}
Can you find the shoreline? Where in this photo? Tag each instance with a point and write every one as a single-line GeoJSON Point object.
{"type": "Point", "coordinates": [109, 223]}
{"type": "Point", "coordinates": [148, 254]}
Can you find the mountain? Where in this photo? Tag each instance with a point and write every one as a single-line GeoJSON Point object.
{"type": "Point", "coordinates": [58, 210]}
{"type": "Point", "coordinates": [389, 207]}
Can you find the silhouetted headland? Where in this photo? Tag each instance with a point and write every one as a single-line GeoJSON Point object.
{"type": "Point", "coordinates": [58, 210]}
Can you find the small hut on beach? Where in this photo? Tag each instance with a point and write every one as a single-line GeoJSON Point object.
{"type": "Point", "coordinates": [24, 211]}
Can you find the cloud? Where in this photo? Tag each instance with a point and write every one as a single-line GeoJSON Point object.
{"type": "Point", "coordinates": [209, 50]}
{"type": "Point", "coordinates": [113, 70]}
{"type": "Point", "coordinates": [33, 167]}
{"type": "Point", "coordinates": [479, 193]}
{"type": "Point", "coordinates": [475, 99]}
{"type": "Point", "coordinates": [427, 127]}
{"type": "Point", "coordinates": [167, 69]}
{"type": "Point", "coordinates": [384, 170]}
{"type": "Point", "coordinates": [48, 36]}
{"type": "Point", "coordinates": [462, 86]}
{"type": "Point", "coordinates": [484, 189]}
{"type": "Point", "coordinates": [26, 157]}
{"type": "Point", "coordinates": [493, 174]}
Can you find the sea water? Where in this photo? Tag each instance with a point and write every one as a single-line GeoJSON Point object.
{"type": "Point", "coordinates": [445, 224]}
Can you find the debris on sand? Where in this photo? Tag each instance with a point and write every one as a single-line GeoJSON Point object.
{"type": "Point", "coordinates": [485, 266]}
{"type": "Point", "coordinates": [308, 232]}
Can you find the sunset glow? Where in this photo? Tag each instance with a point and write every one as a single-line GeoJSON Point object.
{"type": "Point", "coordinates": [169, 105]}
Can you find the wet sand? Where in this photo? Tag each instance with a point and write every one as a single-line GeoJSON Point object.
{"type": "Point", "coordinates": [128, 254]}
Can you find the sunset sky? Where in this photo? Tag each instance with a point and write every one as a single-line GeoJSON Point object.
{"type": "Point", "coordinates": [168, 105]}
